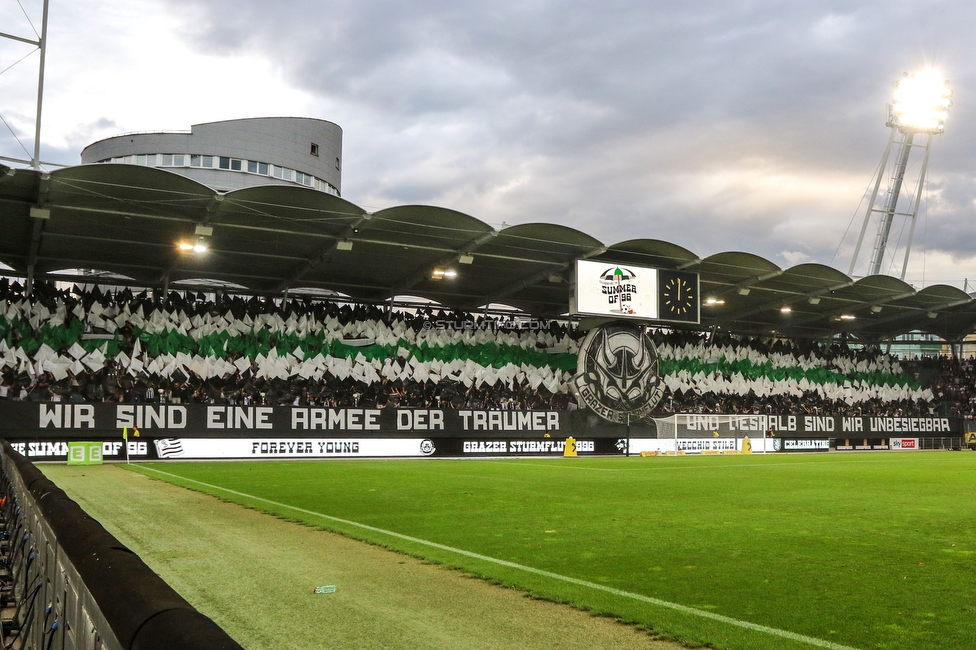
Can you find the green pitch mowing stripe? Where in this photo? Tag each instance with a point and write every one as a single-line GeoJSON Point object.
{"type": "Point", "coordinates": [872, 551]}
{"type": "Point", "coordinates": [253, 574]}
{"type": "Point", "coordinates": [819, 643]}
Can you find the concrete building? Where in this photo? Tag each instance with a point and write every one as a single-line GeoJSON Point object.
{"type": "Point", "coordinates": [234, 154]}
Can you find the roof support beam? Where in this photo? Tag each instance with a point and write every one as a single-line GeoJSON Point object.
{"type": "Point", "coordinates": [421, 274]}
{"type": "Point", "coordinates": [835, 313]}
{"type": "Point", "coordinates": [912, 311]}
{"type": "Point", "coordinates": [778, 304]}
{"type": "Point", "coordinates": [747, 284]}
{"type": "Point", "coordinates": [213, 208]}
{"type": "Point", "coordinates": [323, 252]}
{"type": "Point", "coordinates": [537, 277]}
{"type": "Point", "coordinates": [40, 213]}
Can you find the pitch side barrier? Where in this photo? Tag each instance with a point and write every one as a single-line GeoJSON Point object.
{"type": "Point", "coordinates": [74, 586]}
{"type": "Point", "coordinates": [694, 433]}
{"type": "Point", "coordinates": [46, 430]}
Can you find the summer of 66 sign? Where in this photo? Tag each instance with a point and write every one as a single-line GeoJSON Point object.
{"type": "Point", "coordinates": [626, 291]}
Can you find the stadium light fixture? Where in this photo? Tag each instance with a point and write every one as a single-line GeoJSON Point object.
{"type": "Point", "coordinates": [344, 245]}
{"type": "Point", "coordinates": [932, 314]}
{"type": "Point", "coordinates": [785, 309]}
{"type": "Point", "coordinates": [814, 301]}
{"type": "Point", "coordinates": [875, 309]}
{"type": "Point", "coordinates": [847, 317]}
{"type": "Point", "coordinates": [920, 103]}
{"type": "Point", "coordinates": [465, 258]}
{"type": "Point", "coordinates": [198, 246]}
{"type": "Point", "coordinates": [440, 274]}
{"type": "Point", "coordinates": [919, 106]}
{"type": "Point", "coordinates": [712, 302]}
{"type": "Point", "coordinates": [744, 291]}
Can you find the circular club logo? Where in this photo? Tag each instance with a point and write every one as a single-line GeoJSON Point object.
{"type": "Point", "coordinates": [619, 286]}
{"type": "Point", "coordinates": [617, 373]}
{"type": "Point", "coordinates": [427, 446]}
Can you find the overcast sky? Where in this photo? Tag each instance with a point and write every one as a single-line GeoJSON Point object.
{"type": "Point", "coordinates": [753, 126]}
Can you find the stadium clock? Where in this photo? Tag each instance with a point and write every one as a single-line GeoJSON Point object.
{"type": "Point", "coordinates": [678, 296]}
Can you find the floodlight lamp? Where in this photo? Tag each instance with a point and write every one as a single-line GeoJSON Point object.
{"type": "Point", "coordinates": [714, 301]}
{"type": "Point", "coordinates": [814, 301]}
{"type": "Point", "coordinates": [744, 291]}
{"type": "Point", "coordinates": [875, 309]}
{"type": "Point", "coordinates": [344, 245]}
{"type": "Point", "coordinates": [920, 103]}
{"type": "Point", "coordinates": [440, 274]}
{"type": "Point", "coordinates": [196, 245]}
{"type": "Point", "coordinates": [785, 309]}
{"type": "Point", "coordinates": [932, 314]}
{"type": "Point", "coordinates": [847, 317]}
{"type": "Point", "coordinates": [465, 258]}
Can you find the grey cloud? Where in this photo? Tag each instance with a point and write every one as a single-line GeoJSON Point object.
{"type": "Point", "coordinates": [586, 114]}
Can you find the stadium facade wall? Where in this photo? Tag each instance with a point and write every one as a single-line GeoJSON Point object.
{"type": "Point", "coordinates": [283, 141]}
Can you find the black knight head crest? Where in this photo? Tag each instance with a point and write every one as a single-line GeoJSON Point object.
{"type": "Point", "coordinates": [617, 373]}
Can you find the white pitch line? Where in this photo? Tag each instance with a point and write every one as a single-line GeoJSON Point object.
{"type": "Point", "coordinates": [648, 468]}
{"type": "Point", "coordinates": [809, 640]}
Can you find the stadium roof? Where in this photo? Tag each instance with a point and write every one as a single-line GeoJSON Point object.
{"type": "Point", "coordinates": [128, 220]}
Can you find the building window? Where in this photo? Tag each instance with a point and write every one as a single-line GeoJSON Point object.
{"type": "Point", "coordinates": [167, 160]}
{"type": "Point", "coordinates": [178, 160]}
{"type": "Point", "coordinates": [263, 168]}
{"type": "Point", "coordinates": [252, 166]}
{"type": "Point", "coordinates": [337, 162]}
{"type": "Point", "coordinates": [224, 162]}
{"type": "Point", "coordinates": [195, 161]}
{"type": "Point", "coordinates": [235, 164]}
{"type": "Point", "coordinates": [208, 161]}
{"type": "Point", "coordinates": [315, 149]}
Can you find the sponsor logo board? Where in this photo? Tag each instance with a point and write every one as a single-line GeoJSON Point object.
{"type": "Point", "coordinates": [904, 444]}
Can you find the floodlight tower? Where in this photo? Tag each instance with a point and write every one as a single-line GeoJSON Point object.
{"type": "Point", "coordinates": [41, 44]}
{"type": "Point", "coordinates": [919, 106]}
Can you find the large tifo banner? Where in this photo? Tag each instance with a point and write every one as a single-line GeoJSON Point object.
{"type": "Point", "coordinates": [43, 431]}
{"type": "Point", "coordinates": [51, 420]}
{"type": "Point", "coordinates": [819, 426]}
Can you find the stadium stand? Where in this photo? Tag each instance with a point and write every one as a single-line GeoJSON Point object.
{"type": "Point", "coordinates": [115, 346]}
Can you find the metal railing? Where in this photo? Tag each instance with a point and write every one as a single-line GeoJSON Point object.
{"type": "Point", "coordinates": [67, 584]}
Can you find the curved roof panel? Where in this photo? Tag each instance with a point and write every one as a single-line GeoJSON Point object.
{"type": "Point", "coordinates": [129, 220]}
{"type": "Point", "coordinates": [651, 252]}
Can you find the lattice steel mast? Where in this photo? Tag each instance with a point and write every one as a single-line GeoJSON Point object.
{"type": "Point", "coordinates": [919, 106]}
{"type": "Point", "coordinates": [41, 44]}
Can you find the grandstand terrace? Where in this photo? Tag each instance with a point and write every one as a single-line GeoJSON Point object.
{"type": "Point", "coordinates": [91, 346]}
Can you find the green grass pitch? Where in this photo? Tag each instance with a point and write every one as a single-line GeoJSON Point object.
{"type": "Point", "coordinates": [860, 550]}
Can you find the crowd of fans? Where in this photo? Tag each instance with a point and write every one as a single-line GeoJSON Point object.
{"type": "Point", "coordinates": [952, 383]}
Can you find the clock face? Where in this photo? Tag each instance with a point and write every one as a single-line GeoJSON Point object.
{"type": "Point", "coordinates": [679, 296]}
